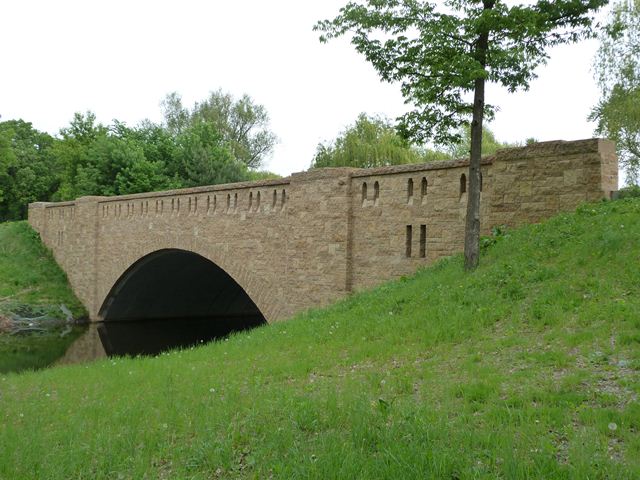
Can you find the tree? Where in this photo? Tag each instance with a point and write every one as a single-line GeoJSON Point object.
{"type": "Point", "coordinates": [370, 142]}
{"type": "Point", "coordinates": [205, 158]}
{"type": "Point", "coordinates": [176, 116]}
{"type": "Point", "coordinates": [490, 144]}
{"type": "Point", "coordinates": [80, 174]}
{"type": "Point", "coordinates": [28, 171]}
{"type": "Point", "coordinates": [440, 54]}
{"type": "Point", "coordinates": [243, 124]}
{"type": "Point", "coordinates": [7, 159]}
{"type": "Point", "coordinates": [617, 70]}
{"type": "Point", "coordinates": [114, 160]}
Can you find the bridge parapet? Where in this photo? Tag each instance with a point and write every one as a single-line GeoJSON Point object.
{"type": "Point", "coordinates": [311, 238]}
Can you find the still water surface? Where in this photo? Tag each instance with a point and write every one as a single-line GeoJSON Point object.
{"type": "Point", "coordinates": [149, 337]}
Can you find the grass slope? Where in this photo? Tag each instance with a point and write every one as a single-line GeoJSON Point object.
{"type": "Point", "coordinates": [29, 274]}
{"type": "Point", "coordinates": [32, 284]}
{"type": "Point", "coordinates": [527, 368]}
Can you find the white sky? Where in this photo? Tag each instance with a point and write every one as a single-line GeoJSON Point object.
{"type": "Point", "coordinates": [120, 58]}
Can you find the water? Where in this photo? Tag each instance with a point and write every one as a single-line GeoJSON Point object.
{"type": "Point", "coordinates": [126, 338]}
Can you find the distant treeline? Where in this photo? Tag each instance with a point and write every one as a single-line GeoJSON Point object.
{"type": "Point", "coordinates": [373, 141]}
{"type": "Point", "coordinates": [219, 140]}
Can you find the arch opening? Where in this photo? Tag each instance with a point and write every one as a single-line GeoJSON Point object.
{"type": "Point", "coordinates": [173, 298]}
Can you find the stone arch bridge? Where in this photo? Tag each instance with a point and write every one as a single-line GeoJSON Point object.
{"type": "Point", "coordinates": [277, 247]}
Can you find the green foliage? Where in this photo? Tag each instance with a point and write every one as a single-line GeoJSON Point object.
{"type": "Point", "coordinates": [433, 52]}
{"type": "Point", "coordinates": [242, 124]}
{"type": "Point", "coordinates": [205, 158]}
{"type": "Point", "coordinates": [374, 142]}
{"type": "Point", "coordinates": [631, 191]}
{"type": "Point", "coordinates": [144, 176]}
{"type": "Point", "coordinates": [490, 145]}
{"type": "Point", "coordinates": [28, 171]}
{"type": "Point", "coordinates": [498, 233]}
{"type": "Point", "coordinates": [526, 368]}
{"type": "Point", "coordinates": [220, 141]}
{"type": "Point", "coordinates": [254, 175]}
{"type": "Point", "coordinates": [617, 69]}
{"type": "Point", "coordinates": [113, 161]}
{"type": "Point", "coordinates": [370, 142]}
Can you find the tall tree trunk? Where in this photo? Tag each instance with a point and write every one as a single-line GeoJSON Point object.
{"type": "Point", "coordinates": [472, 227]}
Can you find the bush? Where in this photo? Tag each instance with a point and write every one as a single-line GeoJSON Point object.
{"type": "Point", "coordinates": [632, 191]}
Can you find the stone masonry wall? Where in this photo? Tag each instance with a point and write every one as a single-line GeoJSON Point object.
{"type": "Point", "coordinates": [312, 238]}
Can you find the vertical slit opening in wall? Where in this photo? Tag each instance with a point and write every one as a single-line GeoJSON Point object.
{"type": "Point", "coordinates": [284, 197]}
{"type": "Point", "coordinates": [257, 201]}
{"type": "Point", "coordinates": [408, 241]}
{"type": "Point", "coordinates": [423, 189]}
{"type": "Point", "coordinates": [215, 203]}
{"type": "Point", "coordinates": [423, 241]}
{"type": "Point", "coordinates": [409, 190]}
{"type": "Point", "coordinates": [364, 193]}
{"type": "Point", "coordinates": [481, 181]}
{"type": "Point", "coordinates": [463, 183]}
{"type": "Point", "coordinates": [376, 193]}
{"type": "Point", "coordinates": [208, 203]}
{"type": "Point", "coordinates": [275, 199]}
{"type": "Point", "coordinates": [250, 200]}
{"type": "Point", "coordinates": [235, 201]}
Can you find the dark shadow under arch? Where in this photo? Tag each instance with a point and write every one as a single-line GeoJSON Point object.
{"type": "Point", "coordinates": [173, 298]}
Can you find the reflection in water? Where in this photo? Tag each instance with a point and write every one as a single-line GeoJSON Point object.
{"type": "Point", "coordinates": [151, 337]}
{"type": "Point", "coordinates": [86, 348]}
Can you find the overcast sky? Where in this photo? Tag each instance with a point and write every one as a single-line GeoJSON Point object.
{"type": "Point", "coordinates": [120, 58]}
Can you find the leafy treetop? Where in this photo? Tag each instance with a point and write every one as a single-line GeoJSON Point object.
{"type": "Point", "coordinates": [432, 50]}
{"type": "Point", "coordinates": [617, 70]}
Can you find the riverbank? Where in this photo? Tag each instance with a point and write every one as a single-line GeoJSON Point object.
{"type": "Point", "coordinates": [38, 311]}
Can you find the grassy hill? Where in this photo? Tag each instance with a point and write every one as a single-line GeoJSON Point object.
{"type": "Point", "coordinates": [29, 274]}
{"type": "Point", "coordinates": [527, 368]}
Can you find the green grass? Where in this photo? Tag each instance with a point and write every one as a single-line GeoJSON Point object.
{"type": "Point", "coordinates": [28, 273]}
{"type": "Point", "coordinates": [527, 368]}
{"type": "Point", "coordinates": [32, 283]}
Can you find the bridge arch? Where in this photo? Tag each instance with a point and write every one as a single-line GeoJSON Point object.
{"type": "Point", "coordinates": [174, 283]}
{"type": "Point", "coordinates": [158, 273]}
{"type": "Point", "coordinates": [187, 297]}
